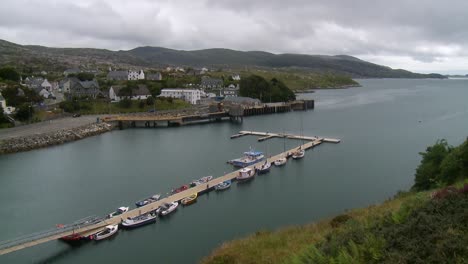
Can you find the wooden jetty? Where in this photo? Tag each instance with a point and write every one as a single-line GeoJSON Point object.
{"type": "Point", "coordinates": [267, 135]}
{"type": "Point", "coordinates": [88, 229]}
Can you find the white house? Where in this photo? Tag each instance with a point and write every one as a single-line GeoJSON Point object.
{"type": "Point", "coordinates": [2, 102]}
{"type": "Point", "coordinates": [236, 77]}
{"type": "Point", "coordinates": [46, 85]}
{"type": "Point", "coordinates": [189, 95]}
{"type": "Point", "coordinates": [141, 93]}
{"type": "Point", "coordinates": [136, 75]}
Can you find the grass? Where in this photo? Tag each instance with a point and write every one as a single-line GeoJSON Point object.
{"type": "Point", "coordinates": [280, 245]}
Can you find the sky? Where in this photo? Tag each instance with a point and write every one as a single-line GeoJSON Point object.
{"type": "Point", "coordinates": [418, 35]}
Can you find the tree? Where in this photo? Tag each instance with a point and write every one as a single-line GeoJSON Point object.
{"type": "Point", "coordinates": [428, 172]}
{"type": "Point", "coordinates": [9, 73]}
{"type": "Point", "coordinates": [257, 87]}
{"type": "Point", "coordinates": [85, 76]}
{"type": "Point", "coordinates": [24, 112]}
{"type": "Point", "coordinates": [150, 100]}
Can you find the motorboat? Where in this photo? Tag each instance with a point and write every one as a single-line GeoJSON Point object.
{"type": "Point", "coordinates": [107, 232]}
{"type": "Point", "coordinates": [180, 189]}
{"type": "Point", "coordinates": [201, 181]}
{"type": "Point", "coordinates": [168, 208]}
{"type": "Point", "coordinates": [189, 199]}
{"type": "Point", "coordinates": [119, 211]}
{"type": "Point", "coordinates": [264, 168]}
{"type": "Point", "coordinates": [140, 220]}
{"type": "Point", "coordinates": [299, 154]}
{"type": "Point", "coordinates": [148, 200]}
{"type": "Point", "coordinates": [223, 186]}
{"type": "Point", "coordinates": [249, 158]}
{"type": "Point", "coordinates": [280, 161]}
{"type": "Point", "coordinates": [245, 174]}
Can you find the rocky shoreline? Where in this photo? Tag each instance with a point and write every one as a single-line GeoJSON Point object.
{"type": "Point", "coordinates": [20, 144]}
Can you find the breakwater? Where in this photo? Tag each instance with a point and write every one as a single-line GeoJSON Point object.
{"type": "Point", "coordinates": [26, 143]}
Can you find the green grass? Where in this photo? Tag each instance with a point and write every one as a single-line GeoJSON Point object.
{"type": "Point", "coordinates": [297, 80]}
{"type": "Point", "coordinates": [279, 246]}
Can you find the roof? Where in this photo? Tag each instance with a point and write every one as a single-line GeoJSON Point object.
{"type": "Point", "coordinates": [141, 90]}
{"type": "Point", "coordinates": [241, 99]}
{"type": "Point", "coordinates": [89, 84]}
{"type": "Point", "coordinates": [117, 74]}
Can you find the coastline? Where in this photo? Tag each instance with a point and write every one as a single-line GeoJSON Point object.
{"type": "Point", "coordinates": [312, 90]}
{"type": "Point", "coordinates": [31, 142]}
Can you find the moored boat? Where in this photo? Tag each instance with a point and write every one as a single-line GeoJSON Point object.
{"type": "Point", "coordinates": [249, 158]}
{"type": "Point", "coordinates": [119, 211]}
{"type": "Point", "coordinates": [168, 208]}
{"type": "Point", "coordinates": [107, 232]}
{"type": "Point", "coordinates": [180, 189]}
{"type": "Point", "coordinates": [189, 199]}
{"type": "Point", "coordinates": [299, 154]}
{"type": "Point", "coordinates": [201, 181]}
{"type": "Point", "coordinates": [264, 168]}
{"type": "Point", "coordinates": [72, 238]}
{"type": "Point", "coordinates": [148, 200]}
{"type": "Point", "coordinates": [245, 174]}
{"type": "Point", "coordinates": [223, 186]}
{"type": "Point", "coordinates": [280, 161]}
{"type": "Point", "coordinates": [140, 220]}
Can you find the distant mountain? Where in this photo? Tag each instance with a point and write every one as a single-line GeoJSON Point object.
{"type": "Point", "coordinates": [61, 58]}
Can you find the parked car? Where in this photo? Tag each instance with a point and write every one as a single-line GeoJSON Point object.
{"type": "Point", "coordinates": [77, 115]}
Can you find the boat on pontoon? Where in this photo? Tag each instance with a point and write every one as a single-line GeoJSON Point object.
{"type": "Point", "coordinates": [280, 161]}
{"type": "Point", "coordinates": [299, 154]}
{"type": "Point", "coordinates": [245, 174]}
{"type": "Point", "coordinates": [201, 181]}
{"type": "Point", "coordinates": [148, 200]}
{"type": "Point", "coordinates": [140, 220]}
{"type": "Point", "coordinates": [180, 189]}
{"type": "Point", "coordinates": [264, 168]}
{"type": "Point", "coordinates": [249, 158]}
{"type": "Point", "coordinates": [189, 199]}
{"type": "Point", "coordinates": [107, 232]}
{"type": "Point", "coordinates": [223, 186]}
{"type": "Point", "coordinates": [119, 211]}
{"type": "Point", "coordinates": [168, 208]}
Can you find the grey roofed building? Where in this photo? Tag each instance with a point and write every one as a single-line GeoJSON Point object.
{"type": "Point", "coordinates": [154, 77]}
{"type": "Point", "coordinates": [141, 92]}
{"type": "Point", "coordinates": [242, 100]}
{"type": "Point", "coordinates": [208, 82]}
{"type": "Point", "coordinates": [84, 88]}
{"type": "Point", "coordinates": [117, 75]}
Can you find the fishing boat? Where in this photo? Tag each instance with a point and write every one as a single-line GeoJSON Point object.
{"type": "Point", "coordinates": [180, 189]}
{"type": "Point", "coordinates": [249, 158]}
{"type": "Point", "coordinates": [280, 161]}
{"type": "Point", "coordinates": [223, 186]}
{"type": "Point", "coordinates": [107, 232]}
{"type": "Point", "coordinates": [299, 154]}
{"type": "Point", "coordinates": [201, 181]}
{"type": "Point", "coordinates": [264, 168]}
{"type": "Point", "coordinates": [245, 174]}
{"type": "Point", "coordinates": [72, 238]}
{"type": "Point", "coordinates": [119, 211]}
{"type": "Point", "coordinates": [189, 199]}
{"type": "Point", "coordinates": [148, 200]}
{"type": "Point", "coordinates": [140, 220]}
{"type": "Point", "coordinates": [168, 208]}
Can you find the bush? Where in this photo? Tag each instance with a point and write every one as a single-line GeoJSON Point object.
{"type": "Point", "coordinates": [25, 112]}
{"type": "Point", "coordinates": [141, 104]}
{"type": "Point", "coordinates": [150, 100]}
{"type": "Point", "coordinates": [125, 103]}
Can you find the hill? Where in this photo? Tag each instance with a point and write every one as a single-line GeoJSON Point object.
{"type": "Point", "coordinates": [32, 57]}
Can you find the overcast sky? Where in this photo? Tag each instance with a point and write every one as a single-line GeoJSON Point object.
{"type": "Point", "coordinates": [421, 36]}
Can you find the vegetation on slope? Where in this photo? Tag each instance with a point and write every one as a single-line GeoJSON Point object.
{"type": "Point", "coordinates": [414, 227]}
{"type": "Point", "coordinates": [255, 86]}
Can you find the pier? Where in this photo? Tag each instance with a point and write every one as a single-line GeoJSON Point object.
{"type": "Point", "coordinates": [92, 225]}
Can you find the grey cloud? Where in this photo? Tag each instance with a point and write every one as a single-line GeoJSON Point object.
{"type": "Point", "coordinates": [427, 31]}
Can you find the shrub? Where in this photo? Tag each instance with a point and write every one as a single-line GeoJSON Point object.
{"type": "Point", "coordinates": [125, 103]}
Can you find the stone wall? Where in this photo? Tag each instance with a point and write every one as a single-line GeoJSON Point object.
{"type": "Point", "coordinates": [20, 144]}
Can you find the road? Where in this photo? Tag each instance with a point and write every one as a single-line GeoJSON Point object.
{"type": "Point", "coordinates": [47, 126]}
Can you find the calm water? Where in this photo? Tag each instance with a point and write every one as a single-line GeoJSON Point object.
{"type": "Point", "coordinates": [383, 125]}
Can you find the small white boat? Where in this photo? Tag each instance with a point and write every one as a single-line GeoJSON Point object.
{"type": "Point", "coordinates": [280, 161]}
{"type": "Point", "coordinates": [264, 168]}
{"type": "Point", "coordinates": [139, 220]}
{"type": "Point", "coordinates": [299, 154]}
{"type": "Point", "coordinates": [245, 174]}
{"type": "Point", "coordinates": [168, 208]}
{"type": "Point", "coordinates": [107, 232]}
{"type": "Point", "coordinates": [201, 181]}
{"type": "Point", "coordinates": [148, 200]}
{"type": "Point", "coordinates": [119, 211]}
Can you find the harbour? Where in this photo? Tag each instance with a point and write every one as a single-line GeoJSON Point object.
{"type": "Point", "coordinates": [94, 226]}
{"type": "Point", "coordinates": [381, 136]}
